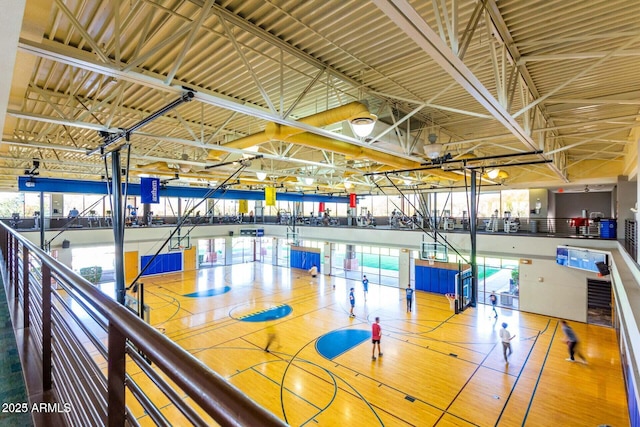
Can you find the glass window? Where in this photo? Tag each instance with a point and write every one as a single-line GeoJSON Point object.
{"type": "Point", "coordinates": [459, 204]}
{"type": "Point", "coordinates": [11, 203]}
{"type": "Point", "coordinates": [379, 206]}
{"type": "Point", "coordinates": [341, 209]}
{"type": "Point", "coordinates": [488, 203]}
{"type": "Point", "coordinates": [32, 204]}
{"type": "Point", "coordinates": [493, 262]}
{"type": "Point", "coordinates": [510, 263]}
{"type": "Point", "coordinates": [516, 202]}
{"type": "Point", "coordinates": [73, 201]}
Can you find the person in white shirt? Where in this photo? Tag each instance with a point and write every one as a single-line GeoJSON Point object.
{"type": "Point", "coordinates": [314, 272]}
{"type": "Point", "coordinates": [506, 338]}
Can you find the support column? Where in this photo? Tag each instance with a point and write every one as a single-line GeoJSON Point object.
{"type": "Point", "coordinates": [274, 251]}
{"type": "Point", "coordinates": [404, 268]}
{"type": "Point", "coordinates": [228, 249]}
{"type": "Point", "coordinates": [473, 230]}
{"type": "Point", "coordinates": [326, 268]}
{"type": "Point", "coordinates": [350, 258]}
{"type": "Point", "coordinates": [118, 225]}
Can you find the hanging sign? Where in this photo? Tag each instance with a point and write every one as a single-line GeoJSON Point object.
{"type": "Point", "coordinates": [150, 190]}
{"type": "Point", "coordinates": [352, 200]}
{"type": "Point", "coordinates": [270, 196]}
{"type": "Point", "coordinates": [243, 206]}
{"type": "Point", "coordinates": [321, 207]}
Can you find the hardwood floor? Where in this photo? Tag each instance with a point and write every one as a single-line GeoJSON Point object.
{"type": "Point", "coordinates": [437, 368]}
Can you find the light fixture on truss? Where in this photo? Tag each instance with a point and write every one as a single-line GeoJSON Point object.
{"type": "Point", "coordinates": [433, 149]}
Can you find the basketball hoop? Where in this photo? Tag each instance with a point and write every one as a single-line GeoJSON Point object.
{"type": "Point", "coordinates": [431, 260]}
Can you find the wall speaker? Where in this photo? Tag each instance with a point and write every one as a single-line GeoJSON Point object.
{"type": "Point", "coordinates": [603, 268]}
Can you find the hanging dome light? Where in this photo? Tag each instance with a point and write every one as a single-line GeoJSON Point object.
{"type": "Point", "coordinates": [433, 150]}
{"type": "Point", "coordinates": [261, 175]}
{"type": "Point", "coordinates": [363, 124]}
{"type": "Point", "coordinates": [182, 167]}
{"type": "Point", "coordinates": [493, 173]}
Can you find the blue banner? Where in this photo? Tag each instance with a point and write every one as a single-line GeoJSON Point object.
{"type": "Point", "coordinates": [150, 190]}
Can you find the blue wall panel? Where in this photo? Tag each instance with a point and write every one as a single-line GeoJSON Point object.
{"type": "Point", "coordinates": [434, 277]}
{"type": "Point", "coordinates": [304, 260]}
{"type": "Point", "coordinates": [163, 263]}
{"type": "Point", "coordinates": [442, 281]}
{"type": "Point", "coordinates": [451, 282]}
{"type": "Point", "coordinates": [436, 280]}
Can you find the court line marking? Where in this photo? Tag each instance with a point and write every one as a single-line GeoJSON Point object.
{"type": "Point", "coordinates": [544, 362]}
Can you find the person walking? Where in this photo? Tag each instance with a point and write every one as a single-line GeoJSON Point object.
{"type": "Point", "coordinates": [376, 335]}
{"type": "Point", "coordinates": [572, 342]}
{"type": "Point", "coordinates": [271, 333]}
{"type": "Point", "coordinates": [409, 293]}
{"type": "Point", "coordinates": [506, 337]}
{"type": "Point", "coordinates": [365, 285]}
{"type": "Point", "coordinates": [352, 301]}
{"type": "Point", "coordinates": [494, 301]}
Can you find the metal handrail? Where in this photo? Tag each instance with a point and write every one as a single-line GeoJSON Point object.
{"type": "Point", "coordinates": [222, 401]}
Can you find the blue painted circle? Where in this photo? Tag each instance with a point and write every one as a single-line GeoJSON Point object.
{"type": "Point", "coordinates": [209, 292]}
{"type": "Point", "coordinates": [335, 343]}
{"type": "Point", "coordinates": [271, 313]}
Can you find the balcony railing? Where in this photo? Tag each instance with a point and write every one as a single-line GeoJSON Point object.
{"type": "Point", "coordinates": [89, 348]}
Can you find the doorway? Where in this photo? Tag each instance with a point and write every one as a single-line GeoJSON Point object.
{"type": "Point", "coordinates": [599, 302]}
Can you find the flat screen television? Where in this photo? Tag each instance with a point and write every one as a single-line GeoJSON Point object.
{"type": "Point", "coordinates": [580, 258]}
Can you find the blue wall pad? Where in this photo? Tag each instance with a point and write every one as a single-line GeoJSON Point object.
{"type": "Point", "coordinates": [335, 343]}
{"type": "Point", "coordinates": [209, 292]}
{"type": "Point", "coordinates": [164, 263]}
{"type": "Point", "coordinates": [304, 260]}
{"type": "Point", "coordinates": [271, 313]}
{"type": "Point", "coordinates": [436, 280]}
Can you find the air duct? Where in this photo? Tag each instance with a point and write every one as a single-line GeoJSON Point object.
{"type": "Point", "coordinates": [274, 131]}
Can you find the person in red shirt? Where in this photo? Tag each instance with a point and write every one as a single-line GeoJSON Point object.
{"type": "Point", "coordinates": [376, 334]}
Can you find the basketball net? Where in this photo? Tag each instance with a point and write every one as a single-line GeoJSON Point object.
{"type": "Point", "coordinates": [431, 260]}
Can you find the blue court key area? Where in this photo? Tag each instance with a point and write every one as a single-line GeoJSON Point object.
{"type": "Point", "coordinates": [335, 343]}
{"type": "Point", "coordinates": [209, 292]}
{"type": "Point", "coordinates": [271, 313]}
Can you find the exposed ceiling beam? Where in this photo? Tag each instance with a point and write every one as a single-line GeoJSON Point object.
{"type": "Point", "coordinates": [84, 60]}
{"type": "Point", "coordinates": [574, 55]}
{"type": "Point", "coordinates": [409, 21]}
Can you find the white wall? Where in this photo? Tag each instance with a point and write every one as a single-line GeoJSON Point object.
{"type": "Point", "coordinates": [553, 290]}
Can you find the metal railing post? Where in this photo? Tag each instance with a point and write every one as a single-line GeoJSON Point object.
{"type": "Point", "coordinates": [14, 276]}
{"type": "Point", "coordinates": [25, 286]}
{"type": "Point", "coordinates": [4, 242]}
{"type": "Point", "coordinates": [46, 328]}
{"type": "Point", "coordinates": [116, 378]}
